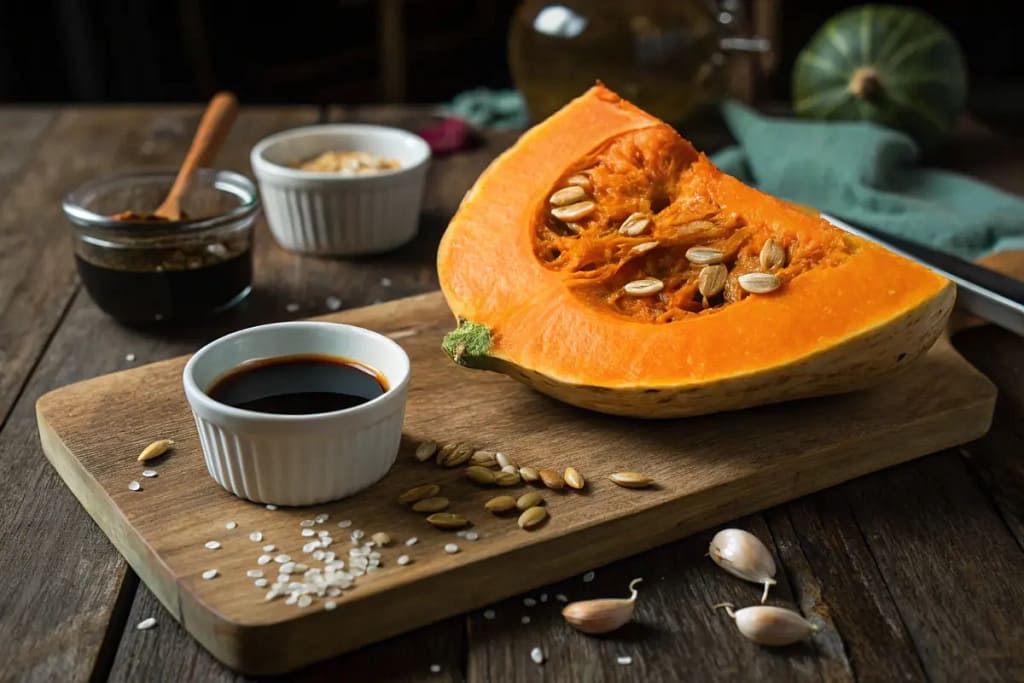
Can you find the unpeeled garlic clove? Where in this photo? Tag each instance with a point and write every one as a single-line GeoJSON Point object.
{"type": "Point", "coordinates": [742, 554]}
{"type": "Point", "coordinates": [603, 615]}
{"type": "Point", "coordinates": [767, 625]}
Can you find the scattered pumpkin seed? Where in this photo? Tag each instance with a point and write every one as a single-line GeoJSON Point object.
{"type": "Point", "coordinates": [500, 504]}
{"type": "Point", "coordinates": [425, 450]}
{"type": "Point", "coordinates": [704, 256]}
{"type": "Point", "coordinates": [568, 195]}
{"type": "Point", "coordinates": [456, 456]}
{"type": "Point", "coordinates": [573, 478]}
{"type": "Point", "coordinates": [759, 283]}
{"type": "Point", "coordinates": [532, 517]}
{"type": "Point", "coordinates": [417, 493]}
{"type": "Point", "coordinates": [155, 450]}
{"type": "Point", "coordinates": [435, 504]}
{"type": "Point", "coordinates": [635, 224]}
{"type": "Point", "coordinates": [631, 480]}
{"type": "Point", "coordinates": [772, 255]}
{"type": "Point", "coordinates": [483, 459]}
{"type": "Point", "coordinates": [447, 520]}
{"type": "Point", "coordinates": [529, 500]}
{"type": "Point", "coordinates": [711, 280]}
{"type": "Point", "coordinates": [381, 538]}
{"type": "Point", "coordinates": [552, 479]}
{"type": "Point", "coordinates": [643, 247]}
{"type": "Point", "coordinates": [480, 475]}
{"type": "Point", "coordinates": [529, 474]}
{"type": "Point", "coordinates": [502, 460]}
{"type": "Point", "coordinates": [507, 478]}
{"type": "Point", "coordinates": [643, 287]}
{"type": "Point", "coordinates": [512, 469]}
{"type": "Point", "coordinates": [574, 212]}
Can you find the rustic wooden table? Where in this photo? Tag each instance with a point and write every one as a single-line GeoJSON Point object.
{"type": "Point", "coordinates": [917, 571]}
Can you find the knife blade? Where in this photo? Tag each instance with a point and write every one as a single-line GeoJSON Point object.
{"type": "Point", "coordinates": [983, 292]}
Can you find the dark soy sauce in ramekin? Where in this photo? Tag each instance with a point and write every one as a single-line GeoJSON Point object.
{"type": "Point", "coordinates": [298, 385]}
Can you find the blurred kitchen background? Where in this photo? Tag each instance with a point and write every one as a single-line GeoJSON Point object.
{"type": "Point", "coordinates": [360, 51]}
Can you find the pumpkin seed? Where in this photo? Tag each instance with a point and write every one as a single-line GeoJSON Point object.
{"type": "Point", "coordinates": [381, 538]}
{"type": "Point", "coordinates": [483, 459]}
{"type": "Point", "coordinates": [772, 255]}
{"type": "Point", "coordinates": [500, 504]}
{"type": "Point", "coordinates": [711, 280]}
{"type": "Point", "coordinates": [529, 500]}
{"type": "Point", "coordinates": [635, 224]}
{"type": "Point", "coordinates": [759, 283]}
{"type": "Point", "coordinates": [644, 287]}
{"type": "Point", "coordinates": [447, 520]}
{"type": "Point", "coordinates": [511, 469]}
{"type": "Point", "coordinates": [573, 478]}
{"type": "Point", "coordinates": [419, 493]}
{"type": "Point", "coordinates": [581, 180]}
{"type": "Point", "coordinates": [155, 449]}
{"type": "Point", "coordinates": [507, 478]}
{"type": "Point", "coordinates": [480, 475]}
{"type": "Point", "coordinates": [552, 479]}
{"type": "Point", "coordinates": [502, 460]}
{"type": "Point", "coordinates": [455, 457]}
{"type": "Point", "coordinates": [574, 212]}
{"type": "Point", "coordinates": [435, 504]}
{"type": "Point", "coordinates": [529, 474]}
{"type": "Point", "coordinates": [425, 450]}
{"type": "Point", "coordinates": [704, 256]}
{"type": "Point", "coordinates": [568, 195]}
{"type": "Point", "coordinates": [643, 247]}
{"type": "Point", "coordinates": [631, 480]}
{"type": "Point", "coordinates": [532, 517]}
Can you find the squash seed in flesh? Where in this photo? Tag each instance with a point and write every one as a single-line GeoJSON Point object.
{"type": "Point", "coordinates": [529, 500]}
{"type": "Point", "coordinates": [480, 475]}
{"type": "Point", "coordinates": [704, 256]}
{"type": "Point", "coordinates": [532, 517]}
{"type": "Point", "coordinates": [574, 212]}
{"type": "Point", "coordinates": [529, 474]}
{"type": "Point", "coordinates": [500, 504]}
{"type": "Point", "coordinates": [568, 195]}
{"type": "Point", "coordinates": [573, 478]}
{"type": "Point", "coordinates": [425, 450]}
{"type": "Point", "coordinates": [644, 287]}
{"type": "Point", "coordinates": [643, 247]}
{"type": "Point", "coordinates": [581, 180]}
{"type": "Point", "coordinates": [631, 480]}
{"type": "Point", "coordinates": [447, 520]}
{"type": "Point", "coordinates": [435, 504]}
{"type": "Point", "coordinates": [635, 224]}
{"type": "Point", "coordinates": [483, 459]}
{"type": "Point", "coordinates": [552, 479]}
{"type": "Point", "coordinates": [759, 283]}
{"type": "Point", "coordinates": [711, 280]}
{"type": "Point", "coordinates": [419, 493]}
{"type": "Point", "coordinates": [155, 450]}
{"type": "Point", "coordinates": [772, 255]}
{"type": "Point", "coordinates": [507, 478]}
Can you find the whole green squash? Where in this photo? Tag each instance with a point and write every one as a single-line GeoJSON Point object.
{"type": "Point", "coordinates": [896, 66]}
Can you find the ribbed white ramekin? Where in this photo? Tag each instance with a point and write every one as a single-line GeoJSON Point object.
{"type": "Point", "coordinates": [298, 459]}
{"type": "Point", "coordinates": [331, 214]}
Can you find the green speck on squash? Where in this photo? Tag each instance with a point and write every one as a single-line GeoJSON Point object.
{"type": "Point", "coordinates": [466, 342]}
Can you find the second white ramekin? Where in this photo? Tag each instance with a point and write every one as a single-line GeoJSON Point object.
{"type": "Point", "coordinates": [298, 459]}
{"type": "Point", "coordinates": [332, 214]}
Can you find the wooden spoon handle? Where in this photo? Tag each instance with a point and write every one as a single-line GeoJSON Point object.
{"type": "Point", "coordinates": [213, 129]}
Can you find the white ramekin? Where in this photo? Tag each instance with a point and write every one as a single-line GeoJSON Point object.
{"type": "Point", "coordinates": [331, 214]}
{"type": "Point", "coordinates": [298, 459]}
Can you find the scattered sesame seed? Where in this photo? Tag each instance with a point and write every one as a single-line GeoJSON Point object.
{"type": "Point", "coordinates": [543, 597]}
{"type": "Point", "coordinates": [561, 597]}
{"type": "Point", "coordinates": [231, 525]}
{"type": "Point", "coordinates": [529, 602]}
{"type": "Point", "coordinates": [269, 548]}
{"type": "Point", "coordinates": [134, 486]}
{"type": "Point", "coordinates": [537, 655]}
{"type": "Point", "coordinates": [145, 624]}
{"type": "Point", "coordinates": [270, 506]}
{"type": "Point", "coordinates": [385, 282]}
{"type": "Point", "coordinates": [462, 533]}
{"type": "Point", "coordinates": [311, 546]}
{"type": "Point", "coordinates": [322, 533]}
{"type": "Point", "coordinates": [524, 620]}
{"type": "Point", "coordinates": [489, 614]}
{"type": "Point", "coordinates": [292, 307]}
{"type": "Point", "coordinates": [282, 558]}
{"type": "Point", "coordinates": [256, 537]}
{"type": "Point", "coordinates": [306, 523]}
{"type": "Point", "coordinates": [322, 517]}
{"type": "Point", "coordinates": [260, 583]}
{"type": "Point", "coordinates": [588, 577]}
{"type": "Point", "coordinates": [345, 523]}
{"type": "Point", "coordinates": [130, 357]}
{"type": "Point", "coordinates": [451, 548]}
{"type": "Point", "coordinates": [329, 605]}
{"type": "Point", "coordinates": [254, 573]}
{"type": "Point", "coordinates": [212, 545]}
{"type": "Point", "coordinates": [435, 668]}
{"type": "Point", "coordinates": [264, 559]}
{"type": "Point", "coordinates": [624, 660]}
{"type": "Point", "coordinates": [333, 303]}
{"type": "Point", "coordinates": [149, 473]}
{"type": "Point", "coordinates": [210, 574]}
{"type": "Point", "coordinates": [472, 536]}
{"type": "Point", "coordinates": [411, 541]}
{"type": "Point", "coordinates": [308, 532]}
{"type": "Point", "coordinates": [305, 601]}
{"type": "Point", "coordinates": [403, 560]}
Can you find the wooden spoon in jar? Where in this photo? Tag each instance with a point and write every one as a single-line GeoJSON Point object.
{"type": "Point", "coordinates": [209, 137]}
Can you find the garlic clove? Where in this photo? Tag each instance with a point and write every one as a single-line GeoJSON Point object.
{"type": "Point", "coordinates": [742, 554]}
{"type": "Point", "coordinates": [603, 615]}
{"type": "Point", "coordinates": [772, 626]}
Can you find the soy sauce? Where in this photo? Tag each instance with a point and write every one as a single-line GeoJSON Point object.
{"type": "Point", "coordinates": [298, 385]}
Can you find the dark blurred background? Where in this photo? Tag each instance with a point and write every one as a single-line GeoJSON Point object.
{"type": "Point", "coordinates": [358, 51]}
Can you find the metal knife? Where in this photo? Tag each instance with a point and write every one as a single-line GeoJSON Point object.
{"type": "Point", "coordinates": [983, 292]}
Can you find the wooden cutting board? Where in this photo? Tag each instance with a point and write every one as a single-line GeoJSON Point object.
{"type": "Point", "coordinates": [708, 470]}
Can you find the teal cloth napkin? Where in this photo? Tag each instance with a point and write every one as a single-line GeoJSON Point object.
{"type": "Point", "coordinates": [869, 174]}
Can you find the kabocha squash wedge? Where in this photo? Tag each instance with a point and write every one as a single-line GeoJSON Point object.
{"type": "Point", "coordinates": [603, 261]}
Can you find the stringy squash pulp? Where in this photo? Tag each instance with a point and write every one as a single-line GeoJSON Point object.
{"type": "Point", "coordinates": [605, 262]}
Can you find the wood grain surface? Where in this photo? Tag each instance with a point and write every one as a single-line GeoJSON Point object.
{"type": "Point", "coordinates": [708, 470]}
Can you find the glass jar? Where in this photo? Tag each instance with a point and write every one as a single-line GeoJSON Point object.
{"type": "Point", "coordinates": [147, 271]}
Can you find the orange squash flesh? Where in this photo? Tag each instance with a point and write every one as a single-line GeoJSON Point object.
{"type": "Point", "coordinates": [550, 294]}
